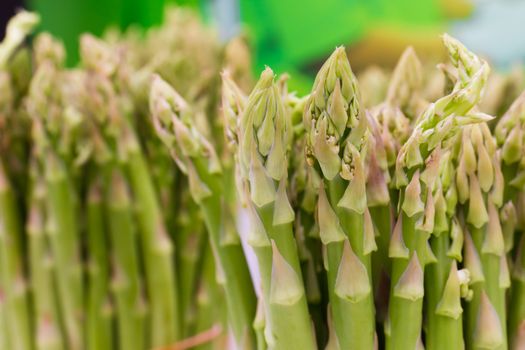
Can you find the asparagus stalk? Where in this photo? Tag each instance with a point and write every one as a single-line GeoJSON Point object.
{"type": "Point", "coordinates": [126, 283]}
{"type": "Point", "coordinates": [416, 175]}
{"type": "Point", "coordinates": [158, 254]}
{"type": "Point", "coordinates": [64, 237]}
{"type": "Point", "coordinates": [99, 314]}
{"type": "Point", "coordinates": [208, 290]}
{"type": "Point", "coordinates": [263, 135]}
{"type": "Point", "coordinates": [443, 286]}
{"type": "Point", "coordinates": [12, 268]}
{"type": "Point", "coordinates": [191, 239]}
{"type": "Point", "coordinates": [47, 326]}
{"type": "Point", "coordinates": [196, 157]}
{"type": "Point", "coordinates": [337, 134]}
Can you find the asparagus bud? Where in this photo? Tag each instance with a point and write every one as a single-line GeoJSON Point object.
{"type": "Point", "coordinates": [333, 118]}
{"type": "Point", "coordinates": [406, 82]}
{"type": "Point", "coordinates": [18, 28]}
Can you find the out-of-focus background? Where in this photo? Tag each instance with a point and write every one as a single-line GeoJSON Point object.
{"type": "Point", "coordinates": [297, 35]}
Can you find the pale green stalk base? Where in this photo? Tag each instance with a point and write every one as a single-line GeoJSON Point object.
{"type": "Point", "coordinates": [11, 265]}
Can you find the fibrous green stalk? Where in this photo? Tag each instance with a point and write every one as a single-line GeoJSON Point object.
{"type": "Point", "coordinates": [12, 268]}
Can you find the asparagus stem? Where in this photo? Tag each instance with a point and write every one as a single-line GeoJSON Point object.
{"type": "Point", "coordinates": [12, 265]}
{"type": "Point", "coordinates": [353, 308]}
{"type": "Point", "coordinates": [126, 283]}
{"type": "Point", "coordinates": [98, 323]}
{"type": "Point", "coordinates": [283, 288]}
{"type": "Point", "coordinates": [491, 287]}
{"type": "Point", "coordinates": [156, 249]}
{"type": "Point", "coordinates": [406, 298]}
{"type": "Point", "coordinates": [444, 323]}
{"type": "Point", "coordinates": [382, 218]}
{"type": "Point", "coordinates": [47, 327]}
{"type": "Point", "coordinates": [208, 290]}
{"type": "Point", "coordinates": [65, 248]}
{"type": "Point", "coordinates": [231, 265]}
{"type": "Point", "coordinates": [191, 240]}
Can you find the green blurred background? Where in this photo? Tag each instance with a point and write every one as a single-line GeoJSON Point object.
{"type": "Point", "coordinates": [296, 35]}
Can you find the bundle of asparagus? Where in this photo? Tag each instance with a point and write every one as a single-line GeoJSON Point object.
{"type": "Point", "coordinates": [137, 193]}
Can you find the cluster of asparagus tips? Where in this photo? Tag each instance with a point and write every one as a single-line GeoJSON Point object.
{"type": "Point", "coordinates": [416, 175]}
